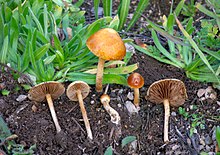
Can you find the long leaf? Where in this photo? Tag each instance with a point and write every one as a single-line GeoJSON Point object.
{"type": "Point", "coordinates": [142, 5]}
{"type": "Point", "coordinates": [123, 12]}
{"type": "Point", "coordinates": [4, 51]}
{"type": "Point", "coordinates": [40, 52]}
{"type": "Point", "coordinates": [91, 79]}
{"type": "Point", "coordinates": [118, 70]}
{"type": "Point", "coordinates": [107, 7]}
{"type": "Point", "coordinates": [96, 7]}
{"type": "Point", "coordinates": [36, 21]}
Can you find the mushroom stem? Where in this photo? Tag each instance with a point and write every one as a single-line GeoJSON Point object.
{"type": "Point", "coordinates": [166, 119]}
{"type": "Point", "coordinates": [53, 113]}
{"type": "Point", "coordinates": [115, 118]}
{"type": "Point", "coordinates": [84, 114]}
{"type": "Point", "coordinates": [99, 74]}
{"type": "Point", "coordinates": [136, 97]}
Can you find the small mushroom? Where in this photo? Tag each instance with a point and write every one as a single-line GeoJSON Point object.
{"type": "Point", "coordinates": [107, 45]}
{"type": "Point", "coordinates": [135, 81]}
{"type": "Point", "coordinates": [48, 91]}
{"type": "Point", "coordinates": [115, 118]}
{"type": "Point", "coordinates": [169, 92]}
{"type": "Point", "coordinates": [77, 91]}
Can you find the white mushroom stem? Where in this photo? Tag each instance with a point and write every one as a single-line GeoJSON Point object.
{"type": "Point", "coordinates": [99, 75]}
{"type": "Point", "coordinates": [166, 119]}
{"type": "Point", "coordinates": [115, 118]}
{"type": "Point", "coordinates": [136, 97]}
{"type": "Point", "coordinates": [53, 113]}
{"type": "Point", "coordinates": [84, 114]}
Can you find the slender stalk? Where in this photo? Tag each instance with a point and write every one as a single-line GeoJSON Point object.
{"type": "Point", "coordinates": [166, 119]}
{"type": "Point", "coordinates": [136, 97]}
{"type": "Point", "coordinates": [53, 113]}
{"type": "Point", "coordinates": [99, 74]}
{"type": "Point", "coordinates": [84, 114]}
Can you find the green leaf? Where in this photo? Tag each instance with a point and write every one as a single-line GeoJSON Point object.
{"type": "Point", "coordinates": [4, 51]}
{"type": "Point", "coordinates": [49, 59]}
{"type": "Point", "coordinates": [218, 135]}
{"type": "Point", "coordinates": [5, 92]}
{"type": "Point", "coordinates": [58, 2]}
{"type": "Point", "coordinates": [36, 21]}
{"type": "Point", "coordinates": [179, 7]}
{"type": "Point", "coordinates": [123, 12]}
{"type": "Point", "coordinates": [108, 151]}
{"type": "Point", "coordinates": [142, 5]}
{"type": "Point", "coordinates": [107, 7]}
{"type": "Point", "coordinates": [127, 140]}
{"type": "Point", "coordinates": [96, 6]}
{"type": "Point", "coordinates": [40, 52]}
{"type": "Point", "coordinates": [91, 79]}
{"type": "Point", "coordinates": [118, 70]}
{"type": "Point", "coordinates": [114, 23]}
{"type": "Point", "coordinates": [205, 11]}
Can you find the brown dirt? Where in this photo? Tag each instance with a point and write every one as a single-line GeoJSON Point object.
{"type": "Point", "coordinates": [38, 128]}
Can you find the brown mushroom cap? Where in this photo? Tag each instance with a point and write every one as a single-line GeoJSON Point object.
{"type": "Point", "coordinates": [135, 80]}
{"type": "Point", "coordinates": [38, 92]}
{"type": "Point", "coordinates": [172, 89]}
{"type": "Point", "coordinates": [71, 91]}
{"type": "Point", "coordinates": [107, 44]}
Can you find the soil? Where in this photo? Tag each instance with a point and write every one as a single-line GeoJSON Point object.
{"type": "Point", "coordinates": [33, 124]}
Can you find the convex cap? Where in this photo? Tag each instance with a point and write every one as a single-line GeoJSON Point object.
{"type": "Point", "coordinates": [77, 85]}
{"type": "Point", "coordinates": [107, 44]}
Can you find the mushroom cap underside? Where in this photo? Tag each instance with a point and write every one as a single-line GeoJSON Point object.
{"type": "Point", "coordinates": [71, 91]}
{"type": "Point", "coordinates": [38, 93]}
{"type": "Point", "coordinates": [107, 44]}
{"type": "Point", "coordinates": [171, 89]}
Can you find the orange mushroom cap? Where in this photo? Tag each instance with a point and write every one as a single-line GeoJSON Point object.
{"type": "Point", "coordinates": [135, 80]}
{"type": "Point", "coordinates": [107, 44]}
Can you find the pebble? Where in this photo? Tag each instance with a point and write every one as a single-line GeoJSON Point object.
{"type": "Point", "coordinates": [201, 147]}
{"type": "Point", "coordinates": [130, 96]}
{"type": "Point", "coordinates": [174, 147]}
{"type": "Point", "coordinates": [218, 102]}
{"type": "Point", "coordinates": [207, 148]}
{"type": "Point", "coordinates": [92, 102]}
{"type": "Point", "coordinates": [21, 98]}
{"type": "Point", "coordinates": [208, 140]}
{"type": "Point", "coordinates": [119, 105]}
{"type": "Point", "coordinates": [173, 114]}
{"type": "Point", "coordinates": [201, 141]}
{"type": "Point", "coordinates": [131, 107]}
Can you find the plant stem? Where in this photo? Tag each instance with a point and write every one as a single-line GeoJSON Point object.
{"type": "Point", "coordinates": [53, 113]}
{"type": "Point", "coordinates": [84, 114]}
{"type": "Point", "coordinates": [136, 97]}
{"type": "Point", "coordinates": [99, 74]}
{"type": "Point", "coordinates": [166, 119]}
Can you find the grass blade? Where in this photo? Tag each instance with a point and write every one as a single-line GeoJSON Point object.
{"type": "Point", "coordinates": [4, 51]}
{"type": "Point", "coordinates": [96, 7]}
{"type": "Point", "coordinates": [36, 21]}
{"type": "Point", "coordinates": [123, 12]}
{"type": "Point", "coordinates": [142, 5]}
{"type": "Point", "coordinates": [107, 7]}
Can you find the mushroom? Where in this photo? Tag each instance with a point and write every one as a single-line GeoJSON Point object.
{"type": "Point", "coordinates": [135, 81]}
{"type": "Point", "coordinates": [107, 45]}
{"type": "Point", "coordinates": [48, 91]}
{"type": "Point", "coordinates": [115, 118]}
{"type": "Point", "coordinates": [77, 91]}
{"type": "Point", "coordinates": [169, 92]}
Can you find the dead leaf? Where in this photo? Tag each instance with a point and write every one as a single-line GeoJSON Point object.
{"type": "Point", "coordinates": [140, 43]}
{"type": "Point", "coordinates": [201, 92]}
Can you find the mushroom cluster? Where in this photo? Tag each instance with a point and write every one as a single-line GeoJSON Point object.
{"type": "Point", "coordinates": [107, 45]}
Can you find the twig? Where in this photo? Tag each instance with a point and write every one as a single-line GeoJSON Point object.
{"type": "Point", "coordinates": [71, 109]}
{"type": "Point", "coordinates": [78, 124]}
